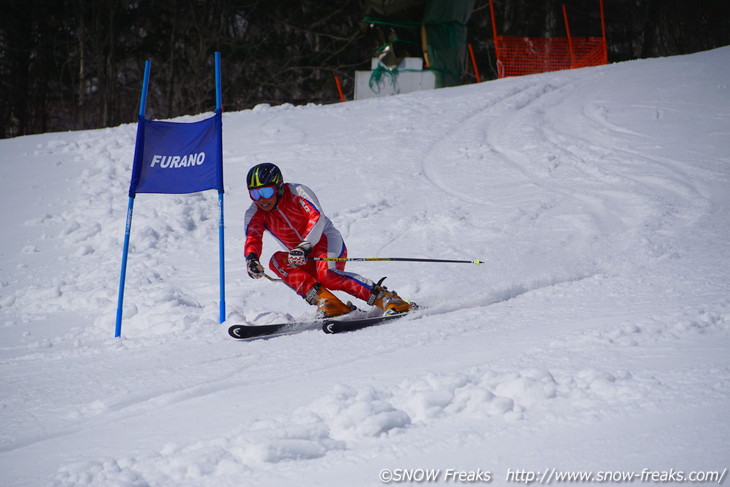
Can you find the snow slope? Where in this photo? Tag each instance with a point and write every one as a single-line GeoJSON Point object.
{"type": "Point", "coordinates": [595, 338]}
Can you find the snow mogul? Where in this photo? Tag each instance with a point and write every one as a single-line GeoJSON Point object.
{"type": "Point", "coordinates": [292, 213]}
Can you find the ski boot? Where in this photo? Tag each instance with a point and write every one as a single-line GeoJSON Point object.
{"type": "Point", "coordinates": [388, 301]}
{"type": "Point", "coordinates": [328, 305]}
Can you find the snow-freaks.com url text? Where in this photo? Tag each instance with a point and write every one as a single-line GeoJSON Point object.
{"type": "Point", "coordinates": [548, 476]}
{"type": "Point", "coordinates": [551, 475]}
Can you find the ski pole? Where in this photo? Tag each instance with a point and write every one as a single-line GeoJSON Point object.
{"type": "Point", "coordinates": [392, 259]}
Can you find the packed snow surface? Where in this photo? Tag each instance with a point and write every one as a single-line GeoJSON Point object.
{"type": "Point", "coordinates": [594, 338]}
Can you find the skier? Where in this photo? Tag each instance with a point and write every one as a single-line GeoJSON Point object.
{"type": "Point", "coordinates": [292, 213]}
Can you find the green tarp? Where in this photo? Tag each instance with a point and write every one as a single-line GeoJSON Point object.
{"type": "Point", "coordinates": [433, 29]}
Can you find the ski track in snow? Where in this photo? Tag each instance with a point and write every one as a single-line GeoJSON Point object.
{"type": "Point", "coordinates": [594, 336]}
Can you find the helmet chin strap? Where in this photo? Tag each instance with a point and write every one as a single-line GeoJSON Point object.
{"type": "Point", "coordinates": [279, 194]}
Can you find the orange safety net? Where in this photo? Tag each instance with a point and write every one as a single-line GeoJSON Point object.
{"type": "Point", "coordinates": [518, 56]}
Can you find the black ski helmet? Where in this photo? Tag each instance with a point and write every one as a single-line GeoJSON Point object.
{"type": "Point", "coordinates": [264, 174]}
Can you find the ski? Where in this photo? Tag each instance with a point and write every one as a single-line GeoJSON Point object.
{"type": "Point", "coordinates": [332, 326]}
{"type": "Point", "coordinates": [349, 322]}
{"type": "Point", "coordinates": [246, 331]}
{"type": "Point", "coordinates": [242, 332]}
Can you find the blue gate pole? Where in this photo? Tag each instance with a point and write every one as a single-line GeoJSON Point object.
{"type": "Point", "coordinates": [221, 253]}
{"type": "Point", "coordinates": [221, 258]}
{"type": "Point", "coordinates": [218, 102]}
{"type": "Point", "coordinates": [130, 210]}
{"type": "Point", "coordinates": [123, 273]}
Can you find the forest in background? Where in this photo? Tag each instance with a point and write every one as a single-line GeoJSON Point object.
{"type": "Point", "coordinates": [78, 64]}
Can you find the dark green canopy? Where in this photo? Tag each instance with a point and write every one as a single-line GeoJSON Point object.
{"type": "Point", "coordinates": [432, 29]}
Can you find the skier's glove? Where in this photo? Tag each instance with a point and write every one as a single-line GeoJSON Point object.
{"type": "Point", "coordinates": [298, 255]}
{"type": "Point", "coordinates": [253, 266]}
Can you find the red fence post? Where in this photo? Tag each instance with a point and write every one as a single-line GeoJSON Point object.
{"type": "Point", "coordinates": [474, 63]}
{"type": "Point", "coordinates": [339, 88]}
{"type": "Point", "coordinates": [494, 34]}
{"type": "Point", "coordinates": [570, 38]}
{"type": "Point", "coordinates": [603, 33]}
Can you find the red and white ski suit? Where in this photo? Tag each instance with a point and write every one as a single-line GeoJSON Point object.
{"type": "Point", "coordinates": [296, 218]}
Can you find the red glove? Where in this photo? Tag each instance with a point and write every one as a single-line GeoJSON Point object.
{"type": "Point", "coordinates": [298, 255]}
